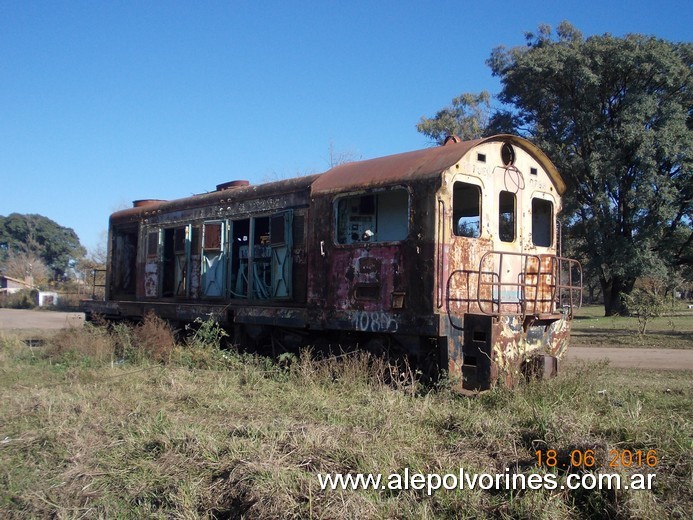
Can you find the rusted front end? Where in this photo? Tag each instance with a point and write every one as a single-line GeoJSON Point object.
{"type": "Point", "coordinates": [509, 298]}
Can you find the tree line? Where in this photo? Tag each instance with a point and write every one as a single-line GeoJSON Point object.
{"type": "Point", "coordinates": [38, 248]}
{"type": "Point", "coordinates": [615, 115]}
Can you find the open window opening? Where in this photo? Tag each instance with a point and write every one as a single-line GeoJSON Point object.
{"type": "Point", "coordinates": [375, 217]}
{"type": "Point", "coordinates": [261, 257]}
{"type": "Point", "coordinates": [261, 282]}
{"type": "Point", "coordinates": [151, 266]}
{"type": "Point", "coordinates": [240, 237]}
{"type": "Point", "coordinates": [542, 222]}
{"type": "Point", "coordinates": [506, 216]}
{"type": "Point", "coordinates": [175, 262]}
{"type": "Point", "coordinates": [466, 210]}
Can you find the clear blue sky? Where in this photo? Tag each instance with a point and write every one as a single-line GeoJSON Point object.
{"type": "Point", "coordinates": [104, 102]}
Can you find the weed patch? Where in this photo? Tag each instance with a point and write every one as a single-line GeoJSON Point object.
{"type": "Point", "coordinates": [234, 435]}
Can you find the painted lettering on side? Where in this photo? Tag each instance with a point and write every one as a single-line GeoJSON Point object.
{"type": "Point", "coordinates": [365, 321]}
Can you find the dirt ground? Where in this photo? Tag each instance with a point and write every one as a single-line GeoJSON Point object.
{"type": "Point", "coordinates": [631, 357]}
{"type": "Point", "coordinates": [652, 358]}
{"type": "Point", "coordinates": [19, 319]}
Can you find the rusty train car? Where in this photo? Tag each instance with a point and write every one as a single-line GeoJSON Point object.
{"type": "Point", "coordinates": [448, 254]}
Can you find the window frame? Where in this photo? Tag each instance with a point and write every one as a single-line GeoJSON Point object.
{"type": "Point", "coordinates": [551, 220]}
{"type": "Point", "coordinates": [374, 193]}
{"type": "Point", "coordinates": [514, 214]}
{"type": "Point", "coordinates": [480, 206]}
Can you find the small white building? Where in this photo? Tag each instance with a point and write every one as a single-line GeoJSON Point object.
{"type": "Point", "coordinates": [46, 298]}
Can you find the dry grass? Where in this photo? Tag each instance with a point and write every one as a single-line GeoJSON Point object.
{"type": "Point", "coordinates": [246, 439]}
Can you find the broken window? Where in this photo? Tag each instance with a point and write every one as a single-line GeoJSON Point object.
{"type": "Point", "coordinates": [466, 210]}
{"type": "Point", "coordinates": [542, 222]}
{"type": "Point", "coordinates": [506, 216]}
{"type": "Point", "coordinates": [377, 217]}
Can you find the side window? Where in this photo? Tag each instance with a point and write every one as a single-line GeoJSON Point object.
{"type": "Point", "coordinates": [466, 210]}
{"type": "Point", "coordinates": [376, 217]}
{"type": "Point", "coordinates": [506, 216]}
{"type": "Point", "coordinates": [542, 222]}
{"type": "Point", "coordinates": [152, 244]}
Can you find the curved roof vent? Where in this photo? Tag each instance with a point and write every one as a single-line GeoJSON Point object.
{"type": "Point", "coordinates": [231, 185]}
{"type": "Point", "coordinates": [451, 139]}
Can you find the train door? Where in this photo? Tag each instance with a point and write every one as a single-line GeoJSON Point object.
{"type": "Point", "coordinates": [281, 226]}
{"type": "Point", "coordinates": [465, 231]}
{"type": "Point", "coordinates": [152, 264]}
{"type": "Point", "coordinates": [175, 261]}
{"type": "Point", "coordinates": [213, 259]}
{"type": "Point", "coordinates": [463, 228]}
{"type": "Point", "coordinates": [508, 260]}
{"type": "Point", "coordinates": [123, 262]}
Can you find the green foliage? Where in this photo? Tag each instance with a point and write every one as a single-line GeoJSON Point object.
{"type": "Point", "coordinates": [57, 246]}
{"type": "Point", "coordinates": [467, 117]}
{"type": "Point", "coordinates": [203, 346]}
{"type": "Point", "coordinates": [206, 333]}
{"type": "Point", "coordinates": [646, 304]}
{"type": "Point", "coordinates": [614, 115]}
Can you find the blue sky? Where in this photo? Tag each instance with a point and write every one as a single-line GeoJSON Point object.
{"type": "Point", "coordinates": [102, 103]}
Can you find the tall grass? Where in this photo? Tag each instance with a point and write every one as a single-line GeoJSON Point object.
{"type": "Point", "coordinates": [125, 431]}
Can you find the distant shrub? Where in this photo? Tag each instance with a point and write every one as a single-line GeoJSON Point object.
{"type": "Point", "coordinates": [23, 299]}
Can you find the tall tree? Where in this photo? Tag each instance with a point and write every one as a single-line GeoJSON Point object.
{"type": "Point", "coordinates": [467, 117]}
{"type": "Point", "coordinates": [57, 246]}
{"type": "Point", "coordinates": [616, 116]}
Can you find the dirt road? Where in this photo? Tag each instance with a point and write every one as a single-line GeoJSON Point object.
{"type": "Point", "coordinates": [627, 357]}
{"type": "Point", "coordinates": [43, 320]}
{"type": "Point", "coordinates": [655, 359]}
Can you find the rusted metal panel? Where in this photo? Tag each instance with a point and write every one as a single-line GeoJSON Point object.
{"type": "Point", "coordinates": [365, 279]}
{"type": "Point", "coordinates": [151, 279]}
{"type": "Point", "coordinates": [516, 343]}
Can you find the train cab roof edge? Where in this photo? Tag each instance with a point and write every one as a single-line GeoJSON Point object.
{"type": "Point", "coordinates": [420, 164]}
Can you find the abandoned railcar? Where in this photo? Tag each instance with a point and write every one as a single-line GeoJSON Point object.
{"type": "Point", "coordinates": [448, 254]}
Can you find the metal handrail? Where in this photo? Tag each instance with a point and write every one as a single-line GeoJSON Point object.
{"type": "Point", "coordinates": [551, 281]}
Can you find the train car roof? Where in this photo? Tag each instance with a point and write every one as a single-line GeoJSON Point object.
{"type": "Point", "coordinates": [419, 165]}
{"type": "Point", "coordinates": [239, 193]}
{"type": "Point", "coordinates": [371, 173]}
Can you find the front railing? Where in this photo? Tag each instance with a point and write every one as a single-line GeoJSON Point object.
{"type": "Point", "coordinates": [517, 284]}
